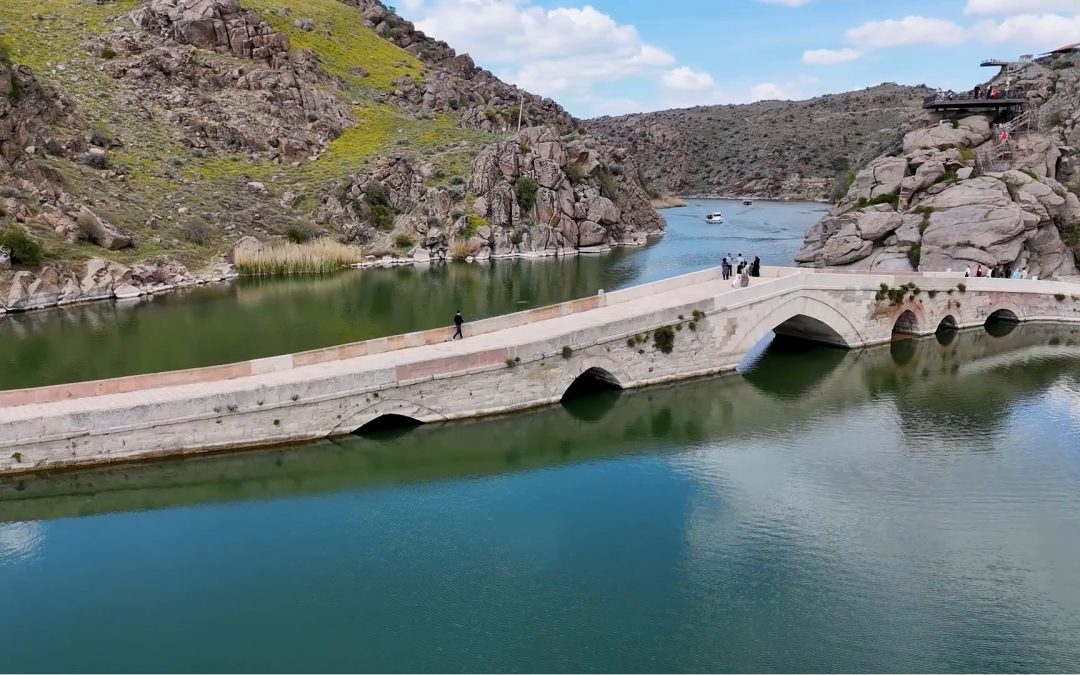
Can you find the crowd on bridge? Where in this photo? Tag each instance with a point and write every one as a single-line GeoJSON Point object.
{"type": "Point", "coordinates": [739, 269]}
{"type": "Point", "coordinates": [999, 272]}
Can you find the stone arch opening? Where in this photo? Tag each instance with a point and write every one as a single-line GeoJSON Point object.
{"type": "Point", "coordinates": [803, 327]}
{"type": "Point", "coordinates": [947, 325]}
{"type": "Point", "coordinates": [389, 423]}
{"type": "Point", "coordinates": [593, 381]}
{"type": "Point", "coordinates": [906, 324]}
{"type": "Point", "coordinates": [1001, 322]}
{"type": "Point", "coordinates": [1003, 314]}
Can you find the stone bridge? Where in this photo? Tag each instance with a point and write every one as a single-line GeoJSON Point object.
{"type": "Point", "coordinates": [506, 363]}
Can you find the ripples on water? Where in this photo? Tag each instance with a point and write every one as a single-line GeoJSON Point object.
{"type": "Point", "coordinates": [909, 508]}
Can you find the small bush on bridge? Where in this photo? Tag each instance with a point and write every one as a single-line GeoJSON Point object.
{"type": "Point", "coordinates": [664, 339]}
{"type": "Point", "coordinates": [962, 287]}
{"type": "Point", "coordinates": [567, 351]}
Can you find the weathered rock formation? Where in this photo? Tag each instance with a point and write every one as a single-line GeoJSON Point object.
{"type": "Point", "coordinates": [535, 194]}
{"type": "Point", "coordinates": [933, 208]}
{"type": "Point", "coordinates": [769, 149]}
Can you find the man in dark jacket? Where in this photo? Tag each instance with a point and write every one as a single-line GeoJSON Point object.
{"type": "Point", "coordinates": [458, 320]}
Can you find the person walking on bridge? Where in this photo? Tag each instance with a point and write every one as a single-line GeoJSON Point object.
{"type": "Point", "coordinates": [458, 321]}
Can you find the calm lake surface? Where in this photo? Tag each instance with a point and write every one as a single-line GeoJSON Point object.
{"type": "Point", "coordinates": [253, 318]}
{"type": "Point", "coordinates": [913, 507]}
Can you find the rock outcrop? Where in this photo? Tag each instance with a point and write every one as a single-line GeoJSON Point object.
{"type": "Point", "coordinates": [929, 210]}
{"type": "Point", "coordinates": [99, 279]}
{"type": "Point", "coordinates": [769, 149]}
{"type": "Point", "coordinates": [535, 194]}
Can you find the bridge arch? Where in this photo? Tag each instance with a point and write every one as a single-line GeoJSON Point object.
{"type": "Point", "coordinates": [907, 323]}
{"type": "Point", "coordinates": [587, 374]}
{"type": "Point", "coordinates": [804, 317]}
{"type": "Point", "coordinates": [396, 409]}
{"type": "Point", "coordinates": [947, 323]}
{"type": "Point", "coordinates": [1007, 311]}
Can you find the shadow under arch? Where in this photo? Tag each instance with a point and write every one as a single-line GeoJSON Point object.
{"type": "Point", "coordinates": [592, 394]}
{"type": "Point", "coordinates": [389, 426]}
{"type": "Point", "coordinates": [907, 323]}
{"type": "Point", "coordinates": [393, 409]}
{"type": "Point", "coordinates": [1001, 322]}
{"type": "Point", "coordinates": [947, 330]}
{"type": "Point", "coordinates": [790, 367]}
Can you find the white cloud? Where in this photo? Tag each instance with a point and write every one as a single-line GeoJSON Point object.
{"type": "Point", "coordinates": [911, 30]}
{"type": "Point", "coordinates": [828, 57]}
{"type": "Point", "coordinates": [547, 51]}
{"type": "Point", "coordinates": [411, 5]}
{"type": "Point", "coordinates": [687, 79]}
{"type": "Point", "coordinates": [1038, 31]}
{"type": "Point", "coordinates": [1007, 7]}
{"type": "Point", "coordinates": [786, 3]}
{"type": "Point", "coordinates": [767, 91]}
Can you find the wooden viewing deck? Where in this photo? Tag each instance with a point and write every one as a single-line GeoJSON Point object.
{"type": "Point", "coordinates": [967, 103]}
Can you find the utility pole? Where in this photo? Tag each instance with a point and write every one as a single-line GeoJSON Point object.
{"type": "Point", "coordinates": [521, 110]}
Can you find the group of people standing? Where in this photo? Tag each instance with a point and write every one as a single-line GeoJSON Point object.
{"type": "Point", "coordinates": [739, 269]}
{"type": "Point", "coordinates": [999, 272]}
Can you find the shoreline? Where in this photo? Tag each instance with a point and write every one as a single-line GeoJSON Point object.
{"type": "Point", "coordinates": [754, 199]}
{"type": "Point", "coordinates": [222, 275]}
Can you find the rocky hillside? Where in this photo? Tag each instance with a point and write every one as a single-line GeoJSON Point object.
{"type": "Point", "coordinates": [141, 139]}
{"type": "Point", "coordinates": [956, 195]}
{"type": "Point", "coordinates": [769, 149]}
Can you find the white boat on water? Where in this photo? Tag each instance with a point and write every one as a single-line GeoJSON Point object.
{"type": "Point", "coordinates": [714, 217]}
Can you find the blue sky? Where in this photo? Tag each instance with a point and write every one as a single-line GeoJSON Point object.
{"type": "Point", "coordinates": [619, 56]}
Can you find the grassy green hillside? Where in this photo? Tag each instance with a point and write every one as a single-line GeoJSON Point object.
{"type": "Point", "coordinates": [160, 177]}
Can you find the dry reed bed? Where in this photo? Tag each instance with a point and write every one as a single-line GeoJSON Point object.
{"type": "Point", "coordinates": [321, 256]}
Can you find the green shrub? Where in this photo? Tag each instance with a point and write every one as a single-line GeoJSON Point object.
{"type": "Point", "coordinates": [473, 223]}
{"type": "Point", "coordinates": [925, 222]}
{"type": "Point", "coordinates": [967, 155]}
{"type": "Point", "coordinates": [526, 188]}
{"type": "Point", "coordinates": [914, 255]}
{"type": "Point", "coordinates": [567, 351]}
{"type": "Point", "coordinates": [25, 250]}
{"type": "Point", "coordinates": [1030, 173]}
{"type": "Point", "coordinates": [381, 216]}
{"type": "Point", "coordinates": [842, 184]}
{"type": "Point", "coordinates": [375, 193]}
{"type": "Point", "coordinates": [108, 53]}
{"type": "Point", "coordinates": [664, 339]}
{"type": "Point", "coordinates": [404, 241]}
{"type": "Point", "coordinates": [573, 173]}
{"type": "Point", "coordinates": [608, 187]}
{"type": "Point", "coordinates": [1059, 296]}
{"type": "Point", "coordinates": [297, 234]}
{"type": "Point", "coordinates": [196, 231]}
{"type": "Point", "coordinates": [962, 287]}
{"type": "Point", "coordinates": [890, 198]}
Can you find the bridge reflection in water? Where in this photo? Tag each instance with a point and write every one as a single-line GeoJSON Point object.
{"type": "Point", "coordinates": [949, 383]}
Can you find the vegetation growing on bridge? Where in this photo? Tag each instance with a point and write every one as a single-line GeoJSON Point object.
{"type": "Point", "coordinates": [664, 339]}
{"type": "Point", "coordinates": [896, 295]}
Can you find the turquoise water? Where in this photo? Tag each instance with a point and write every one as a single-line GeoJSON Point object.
{"type": "Point", "coordinates": [913, 507]}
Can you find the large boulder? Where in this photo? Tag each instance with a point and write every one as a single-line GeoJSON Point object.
{"type": "Point", "coordinates": [101, 233]}
{"type": "Point", "coordinates": [883, 176]}
{"type": "Point", "coordinates": [975, 221]}
{"type": "Point", "coordinates": [963, 133]}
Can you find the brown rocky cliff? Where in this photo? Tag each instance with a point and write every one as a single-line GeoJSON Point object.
{"type": "Point", "coordinates": [769, 149]}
